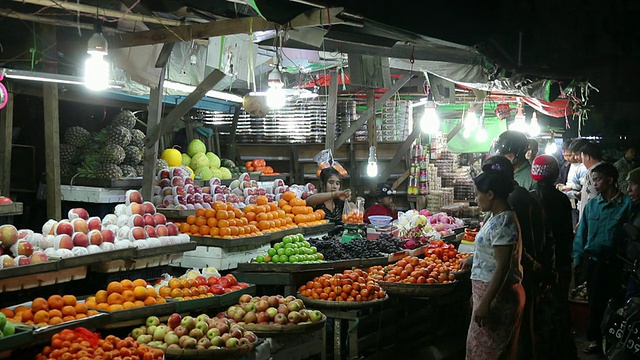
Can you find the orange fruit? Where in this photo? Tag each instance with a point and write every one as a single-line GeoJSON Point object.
{"type": "Point", "coordinates": [68, 311]}
{"type": "Point", "coordinates": [55, 302]}
{"type": "Point", "coordinates": [140, 293]}
{"type": "Point", "coordinates": [225, 231]}
{"type": "Point", "coordinates": [164, 291]}
{"type": "Point", "coordinates": [222, 214]}
{"type": "Point", "coordinates": [262, 200]}
{"type": "Point", "coordinates": [103, 306]}
{"type": "Point", "coordinates": [138, 303]}
{"type": "Point", "coordinates": [7, 312]}
{"type": "Point", "coordinates": [191, 219]}
{"type": "Point", "coordinates": [39, 304]}
{"type": "Point", "coordinates": [219, 205]}
{"type": "Point", "coordinates": [184, 282]}
{"type": "Point", "coordinates": [55, 313]}
{"type": "Point", "coordinates": [115, 298]}
{"type": "Point", "coordinates": [175, 293]}
{"type": "Point", "coordinates": [69, 300]}
{"type": "Point", "coordinates": [175, 283]}
{"type": "Point", "coordinates": [200, 212]}
{"type": "Point", "coordinates": [150, 301]}
{"type": "Point", "coordinates": [150, 291]}
{"type": "Point", "coordinates": [160, 301]}
{"type": "Point", "coordinates": [128, 305]}
{"type": "Point", "coordinates": [223, 223]}
{"type": "Point", "coordinates": [55, 320]}
{"type": "Point", "coordinates": [288, 195]}
{"type": "Point", "coordinates": [81, 316]}
{"type": "Point", "coordinates": [41, 316]}
{"type": "Point", "coordinates": [287, 209]}
{"type": "Point", "coordinates": [204, 230]}
{"type": "Point", "coordinates": [27, 315]}
{"type": "Point", "coordinates": [184, 228]}
{"type": "Point", "coordinates": [127, 284]}
{"type": "Point", "coordinates": [114, 287]}
{"type": "Point", "coordinates": [209, 213]}
{"type": "Point", "coordinates": [81, 308]}
{"type": "Point", "coordinates": [194, 229]}
{"type": "Point", "coordinates": [128, 295]}
{"type": "Point", "coordinates": [282, 202]}
{"type": "Point", "coordinates": [116, 307]}
{"type": "Point", "coordinates": [201, 220]}
{"type": "Point", "coordinates": [92, 312]}
{"type": "Point", "coordinates": [214, 231]}
{"type": "Point", "coordinates": [101, 296]}
{"type": "Point", "coordinates": [139, 282]}
{"type": "Point", "coordinates": [212, 221]}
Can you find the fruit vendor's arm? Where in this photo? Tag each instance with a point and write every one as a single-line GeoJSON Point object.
{"type": "Point", "coordinates": [319, 198]}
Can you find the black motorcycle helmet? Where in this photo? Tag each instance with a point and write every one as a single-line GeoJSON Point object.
{"type": "Point", "coordinates": [510, 142]}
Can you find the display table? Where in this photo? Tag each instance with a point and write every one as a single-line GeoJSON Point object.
{"type": "Point", "coordinates": [88, 194]}
{"type": "Point", "coordinates": [11, 209]}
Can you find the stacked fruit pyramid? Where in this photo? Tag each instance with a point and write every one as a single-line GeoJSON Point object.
{"type": "Point", "coordinates": [125, 294]}
{"type": "Point", "coordinates": [52, 311]}
{"type": "Point", "coordinates": [114, 152]}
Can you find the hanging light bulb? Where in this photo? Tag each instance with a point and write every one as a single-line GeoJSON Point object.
{"type": "Point", "coordinates": [534, 127]}
{"type": "Point", "coordinates": [471, 119]}
{"type": "Point", "coordinates": [430, 122]}
{"type": "Point", "coordinates": [276, 98]}
{"type": "Point", "coordinates": [551, 148]}
{"type": "Point", "coordinates": [372, 163]}
{"type": "Point", "coordinates": [519, 121]}
{"type": "Point", "coordinates": [96, 68]}
{"type": "Point", "coordinates": [481, 134]}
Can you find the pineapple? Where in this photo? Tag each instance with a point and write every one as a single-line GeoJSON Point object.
{"type": "Point", "coordinates": [108, 171]}
{"type": "Point", "coordinates": [161, 164]}
{"type": "Point", "coordinates": [76, 136]}
{"type": "Point", "coordinates": [128, 171]}
{"type": "Point", "coordinates": [68, 154]}
{"type": "Point", "coordinates": [132, 155]}
{"type": "Point", "coordinates": [139, 170]}
{"type": "Point", "coordinates": [112, 154]}
{"type": "Point", "coordinates": [137, 143]}
{"type": "Point", "coordinates": [119, 135]}
{"type": "Point", "coordinates": [126, 119]}
{"type": "Point", "coordinates": [67, 169]}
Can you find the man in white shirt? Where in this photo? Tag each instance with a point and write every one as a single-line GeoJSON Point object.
{"type": "Point", "coordinates": [574, 180]}
{"type": "Point", "coordinates": [591, 157]}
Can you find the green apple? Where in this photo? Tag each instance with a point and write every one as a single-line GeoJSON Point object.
{"type": "Point", "coordinates": [260, 258]}
{"type": "Point", "coordinates": [275, 258]}
{"type": "Point", "coordinates": [271, 251]}
{"type": "Point", "coordinates": [288, 251]}
{"type": "Point", "coordinates": [277, 246]}
{"type": "Point", "coordinates": [284, 258]}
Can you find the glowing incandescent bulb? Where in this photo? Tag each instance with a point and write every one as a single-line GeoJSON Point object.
{"type": "Point", "coordinates": [96, 68]}
{"type": "Point", "coordinates": [372, 163]}
{"type": "Point", "coordinates": [430, 122]}
{"type": "Point", "coordinates": [276, 98]}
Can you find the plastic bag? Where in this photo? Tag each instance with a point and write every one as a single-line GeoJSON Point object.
{"type": "Point", "coordinates": [324, 159]}
{"type": "Point", "coordinates": [353, 213]}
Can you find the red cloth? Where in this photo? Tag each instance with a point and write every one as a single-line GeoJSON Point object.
{"type": "Point", "coordinates": [378, 209]}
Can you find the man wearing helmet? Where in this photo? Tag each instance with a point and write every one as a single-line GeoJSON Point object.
{"type": "Point", "coordinates": [514, 146]}
{"type": "Point", "coordinates": [553, 325]}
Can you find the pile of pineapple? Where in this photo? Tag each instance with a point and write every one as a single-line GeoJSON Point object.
{"type": "Point", "coordinates": [113, 153]}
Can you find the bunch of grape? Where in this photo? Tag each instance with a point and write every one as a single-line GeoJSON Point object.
{"type": "Point", "coordinates": [388, 244]}
{"type": "Point", "coordinates": [360, 248]}
{"type": "Point", "coordinates": [330, 247]}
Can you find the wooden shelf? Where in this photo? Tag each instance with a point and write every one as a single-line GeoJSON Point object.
{"type": "Point", "coordinates": [11, 209]}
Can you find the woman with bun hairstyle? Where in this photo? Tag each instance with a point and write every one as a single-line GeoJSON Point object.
{"type": "Point", "coordinates": [498, 296]}
{"type": "Point", "coordinates": [332, 199]}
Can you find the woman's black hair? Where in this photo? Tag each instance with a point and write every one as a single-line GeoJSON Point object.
{"type": "Point", "coordinates": [495, 181]}
{"type": "Point", "coordinates": [608, 170]}
{"type": "Point", "coordinates": [326, 173]}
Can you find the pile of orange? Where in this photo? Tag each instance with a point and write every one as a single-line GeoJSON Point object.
{"type": "Point", "coordinates": [267, 216]}
{"type": "Point", "coordinates": [55, 310]}
{"type": "Point", "coordinates": [351, 285]}
{"type": "Point", "coordinates": [76, 344]}
{"type": "Point", "coordinates": [413, 270]}
{"type": "Point", "coordinates": [223, 220]}
{"type": "Point", "coordinates": [125, 294]}
{"type": "Point", "coordinates": [297, 210]}
{"type": "Point", "coordinates": [353, 217]}
{"type": "Point", "coordinates": [183, 289]}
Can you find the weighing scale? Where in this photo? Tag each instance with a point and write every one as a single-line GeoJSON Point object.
{"type": "Point", "coordinates": [353, 231]}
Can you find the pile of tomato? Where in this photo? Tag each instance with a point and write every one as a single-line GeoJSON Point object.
{"type": "Point", "coordinates": [441, 250]}
{"type": "Point", "coordinates": [413, 270]}
{"type": "Point", "coordinates": [351, 285]}
{"type": "Point", "coordinates": [83, 344]}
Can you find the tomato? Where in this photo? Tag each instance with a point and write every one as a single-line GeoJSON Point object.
{"type": "Point", "coordinates": [216, 289]}
{"type": "Point", "coordinates": [244, 285]}
{"type": "Point", "coordinates": [232, 279]}
{"type": "Point", "coordinates": [201, 280]}
{"type": "Point", "coordinates": [224, 282]}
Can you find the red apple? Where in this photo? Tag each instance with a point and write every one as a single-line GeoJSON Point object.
{"type": "Point", "coordinates": [5, 200]}
{"type": "Point", "coordinates": [7, 261]}
{"type": "Point", "coordinates": [22, 260]}
{"type": "Point", "coordinates": [151, 231]}
{"type": "Point", "coordinates": [136, 220]}
{"type": "Point", "coordinates": [63, 227]}
{"type": "Point", "coordinates": [149, 208]}
{"type": "Point", "coordinates": [80, 225]}
{"type": "Point", "coordinates": [23, 233]}
{"type": "Point", "coordinates": [80, 239]}
{"type": "Point", "coordinates": [161, 230]}
{"type": "Point", "coordinates": [108, 236]}
{"type": "Point", "coordinates": [95, 237]}
{"type": "Point", "coordinates": [134, 196]}
{"type": "Point", "coordinates": [138, 233]}
{"type": "Point", "coordinates": [78, 213]}
{"type": "Point", "coordinates": [94, 223]}
{"type": "Point", "coordinates": [22, 247]}
{"type": "Point", "coordinates": [149, 220]}
{"type": "Point", "coordinates": [63, 241]}
{"type": "Point", "coordinates": [38, 257]}
{"type": "Point", "coordinates": [173, 229]}
{"type": "Point", "coordinates": [8, 235]}
{"type": "Point", "coordinates": [160, 218]}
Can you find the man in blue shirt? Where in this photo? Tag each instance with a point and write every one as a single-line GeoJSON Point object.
{"type": "Point", "coordinates": [598, 238]}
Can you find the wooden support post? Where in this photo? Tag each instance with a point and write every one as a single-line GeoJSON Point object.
{"type": "Point", "coordinates": [367, 114]}
{"type": "Point", "coordinates": [404, 148]}
{"type": "Point", "coordinates": [332, 111]}
{"type": "Point", "coordinates": [187, 104]}
{"type": "Point", "coordinates": [401, 179]}
{"type": "Point", "coordinates": [455, 131]}
{"type": "Point", "coordinates": [371, 122]}
{"type": "Point", "coordinates": [6, 131]}
{"type": "Point", "coordinates": [232, 147]}
{"type": "Point", "coordinates": [151, 150]}
{"type": "Point", "coordinates": [353, 170]}
{"type": "Point", "coordinates": [297, 175]}
{"type": "Point", "coordinates": [52, 152]}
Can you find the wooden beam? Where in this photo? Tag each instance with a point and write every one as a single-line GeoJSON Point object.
{"type": "Point", "coordinates": [232, 147]}
{"type": "Point", "coordinates": [403, 151]}
{"type": "Point", "coordinates": [53, 21]}
{"type": "Point", "coordinates": [332, 111]}
{"type": "Point", "coordinates": [165, 53]}
{"type": "Point", "coordinates": [73, 6]}
{"type": "Point", "coordinates": [219, 28]}
{"type": "Point", "coordinates": [187, 104]}
{"type": "Point", "coordinates": [367, 114]}
{"type": "Point", "coordinates": [401, 179]}
{"type": "Point", "coordinates": [6, 141]}
{"type": "Point", "coordinates": [371, 122]}
{"type": "Point", "coordinates": [455, 131]}
{"type": "Point", "coordinates": [151, 149]}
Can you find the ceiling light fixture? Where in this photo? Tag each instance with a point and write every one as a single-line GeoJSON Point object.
{"type": "Point", "coordinates": [276, 98]}
{"type": "Point", "coordinates": [519, 121]}
{"type": "Point", "coordinates": [211, 93]}
{"type": "Point", "coordinates": [481, 134]}
{"type": "Point", "coordinates": [96, 68]}
{"type": "Point", "coordinates": [372, 163]}
{"type": "Point", "coordinates": [551, 147]}
{"type": "Point", "coordinates": [534, 127]}
{"type": "Point", "coordinates": [470, 122]}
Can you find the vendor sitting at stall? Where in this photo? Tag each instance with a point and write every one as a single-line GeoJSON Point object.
{"type": "Point", "coordinates": [332, 199]}
{"type": "Point", "coordinates": [384, 205]}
